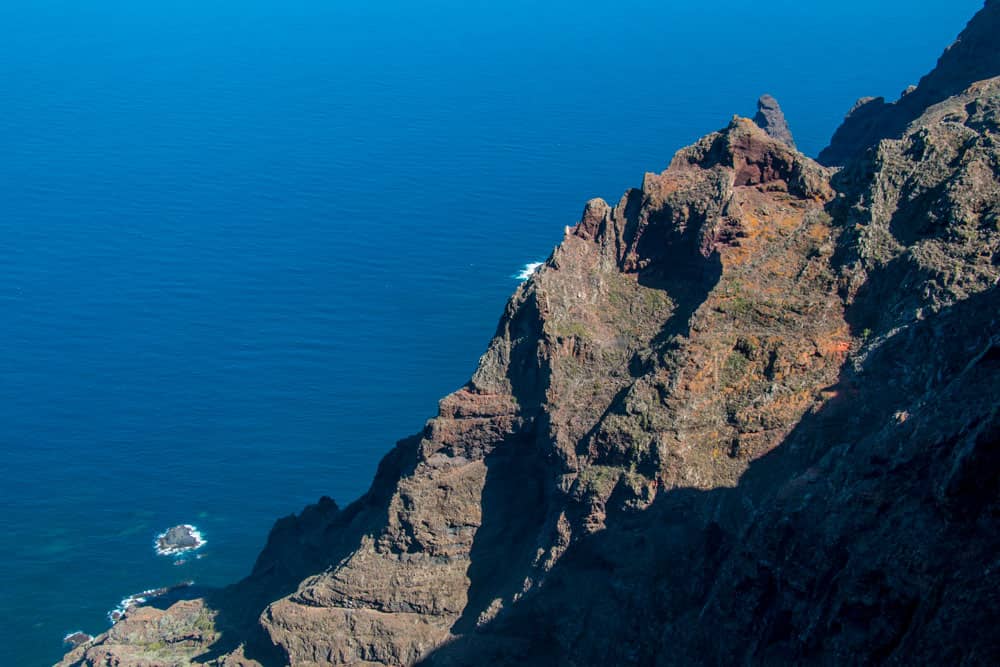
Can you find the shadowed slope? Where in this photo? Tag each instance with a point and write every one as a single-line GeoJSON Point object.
{"type": "Point", "coordinates": [973, 57]}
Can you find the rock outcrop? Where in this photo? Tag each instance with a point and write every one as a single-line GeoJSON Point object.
{"type": "Point", "coordinates": [747, 414]}
{"type": "Point", "coordinates": [973, 57]}
{"type": "Point", "coordinates": [771, 119]}
{"type": "Point", "coordinates": [178, 540]}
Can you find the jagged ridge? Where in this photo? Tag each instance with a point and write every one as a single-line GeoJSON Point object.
{"type": "Point", "coordinates": [747, 414]}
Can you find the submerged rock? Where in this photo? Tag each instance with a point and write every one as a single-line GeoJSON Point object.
{"type": "Point", "coordinates": [771, 119]}
{"type": "Point", "coordinates": [178, 540]}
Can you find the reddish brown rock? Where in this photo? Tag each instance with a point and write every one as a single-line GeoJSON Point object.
{"type": "Point", "coordinates": [746, 415]}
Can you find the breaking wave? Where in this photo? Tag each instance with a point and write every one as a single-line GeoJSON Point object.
{"type": "Point", "coordinates": [164, 548]}
{"type": "Point", "coordinates": [528, 270]}
{"type": "Point", "coordinates": [131, 601]}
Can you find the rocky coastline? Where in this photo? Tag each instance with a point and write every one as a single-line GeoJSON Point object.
{"type": "Point", "coordinates": [747, 414]}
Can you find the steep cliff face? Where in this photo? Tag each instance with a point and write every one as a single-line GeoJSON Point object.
{"type": "Point", "coordinates": [869, 534]}
{"type": "Point", "coordinates": [746, 414]}
{"type": "Point", "coordinates": [654, 350]}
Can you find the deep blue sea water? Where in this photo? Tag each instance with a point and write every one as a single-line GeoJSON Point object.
{"type": "Point", "coordinates": [245, 246]}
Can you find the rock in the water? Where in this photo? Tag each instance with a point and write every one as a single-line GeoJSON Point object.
{"type": "Point", "coordinates": [179, 539]}
{"type": "Point", "coordinates": [771, 119]}
{"type": "Point", "coordinates": [76, 639]}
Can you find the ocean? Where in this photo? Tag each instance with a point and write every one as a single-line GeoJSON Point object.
{"type": "Point", "coordinates": [246, 246]}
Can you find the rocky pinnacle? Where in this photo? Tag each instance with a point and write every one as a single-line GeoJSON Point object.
{"type": "Point", "coordinates": [771, 119]}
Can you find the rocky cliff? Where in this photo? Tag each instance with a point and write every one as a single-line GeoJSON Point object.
{"type": "Point", "coordinates": [746, 414]}
{"type": "Point", "coordinates": [973, 57]}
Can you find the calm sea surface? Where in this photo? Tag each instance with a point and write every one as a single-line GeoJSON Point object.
{"type": "Point", "coordinates": [245, 246]}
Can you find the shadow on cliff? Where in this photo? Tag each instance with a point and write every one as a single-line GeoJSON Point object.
{"type": "Point", "coordinates": [519, 486]}
{"type": "Point", "coordinates": [504, 546]}
{"type": "Point", "coordinates": [615, 590]}
{"type": "Point", "coordinates": [679, 268]}
{"type": "Point", "coordinates": [679, 259]}
{"type": "Point", "coordinates": [631, 593]}
{"type": "Point", "coordinates": [688, 281]}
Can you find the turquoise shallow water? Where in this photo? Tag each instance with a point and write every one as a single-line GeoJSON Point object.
{"type": "Point", "coordinates": [245, 246]}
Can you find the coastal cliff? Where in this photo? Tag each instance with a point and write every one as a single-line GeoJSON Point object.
{"type": "Point", "coordinates": [746, 414]}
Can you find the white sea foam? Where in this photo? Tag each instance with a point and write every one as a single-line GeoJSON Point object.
{"type": "Point", "coordinates": [166, 550]}
{"type": "Point", "coordinates": [528, 270]}
{"type": "Point", "coordinates": [127, 603]}
{"type": "Point", "coordinates": [131, 601]}
{"type": "Point", "coordinates": [118, 612]}
{"type": "Point", "coordinates": [77, 638]}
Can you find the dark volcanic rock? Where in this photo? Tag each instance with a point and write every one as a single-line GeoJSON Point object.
{"type": "Point", "coordinates": [178, 539]}
{"type": "Point", "coordinates": [771, 119]}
